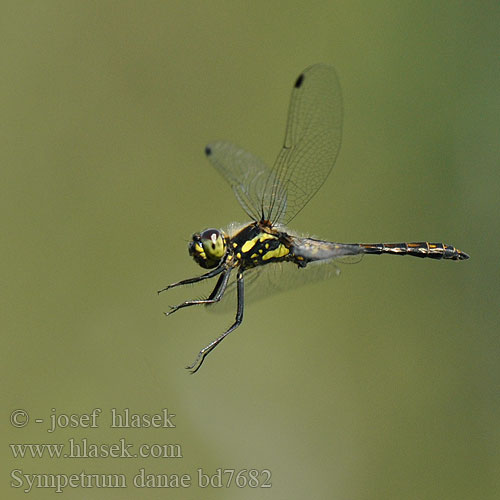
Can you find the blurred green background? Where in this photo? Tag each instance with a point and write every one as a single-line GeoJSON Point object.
{"type": "Point", "coordinates": [381, 384]}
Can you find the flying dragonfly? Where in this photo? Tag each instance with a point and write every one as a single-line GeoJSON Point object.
{"type": "Point", "coordinates": [272, 197]}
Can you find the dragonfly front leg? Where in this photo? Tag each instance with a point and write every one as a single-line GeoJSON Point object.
{"type": "Point", "coordinates": [210, 274]}
{"type": "Point", "coordinates": [237, 322]}
{"type": "Point", "coordinates": [215, 296]}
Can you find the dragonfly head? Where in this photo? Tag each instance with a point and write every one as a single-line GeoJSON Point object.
{"type": "Point", "coordinates": [208, 248]}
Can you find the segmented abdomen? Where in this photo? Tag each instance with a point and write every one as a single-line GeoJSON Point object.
{"type": "Point", "coordinates": [421, 249]}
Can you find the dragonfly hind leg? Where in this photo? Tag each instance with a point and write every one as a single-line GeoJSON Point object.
{"type": "Point", "coordinates": [194, 367]}
{"type": "Point", "coordinates": [215, 296]}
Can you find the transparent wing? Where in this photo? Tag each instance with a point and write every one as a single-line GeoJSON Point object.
{"type": "Point", "coordinates": [244, 172]}
{"type": "Point", "coordinates": [312, 143]}
{"type": "Point", "coordinates": [263, 281]}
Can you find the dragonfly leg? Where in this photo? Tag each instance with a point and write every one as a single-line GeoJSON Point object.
{"type": "Point", "coordinates": [215, 296]}
{"type": "Point", "coordinates": [237, 322]}
{"type": "Point", "coordinates": [210, 274]}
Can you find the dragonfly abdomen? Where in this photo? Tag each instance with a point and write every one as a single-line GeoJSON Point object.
{"type": "Point", "coordinates": [306, 250]}
{"type": "Point", "coordinates": [421, 249]}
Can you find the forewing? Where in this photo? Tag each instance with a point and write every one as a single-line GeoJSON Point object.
{"type": "Point", "coordinates": [312, 143]}
{"type": "Point", "coordinates": [244, 172]}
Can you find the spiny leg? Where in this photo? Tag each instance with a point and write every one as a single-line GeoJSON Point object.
{"type": "Point", "coordinates": [210, 274]}
{"type": "Point", "coordinates": [215, 296]}
{"type": "Point", "coordinates": [237, 322]}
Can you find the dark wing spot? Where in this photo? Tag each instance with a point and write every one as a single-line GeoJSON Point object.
{"type": "Point", "coordinates": [208, 150]}
{"type": "Point", "coordinates": [299, 81]}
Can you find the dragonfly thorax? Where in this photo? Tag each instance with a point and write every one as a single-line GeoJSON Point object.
{"type": "Point", "coordinates": [208, 248]}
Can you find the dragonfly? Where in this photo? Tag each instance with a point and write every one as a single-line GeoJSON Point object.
{"type": "Point", "coordinates": [272, 197]}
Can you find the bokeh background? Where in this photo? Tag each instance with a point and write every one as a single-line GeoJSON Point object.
{"type": "Point", "coordinates": [383, 383]}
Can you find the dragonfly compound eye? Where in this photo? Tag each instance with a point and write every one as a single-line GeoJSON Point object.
{"type": "Point", "coordinates": [208, 248]}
